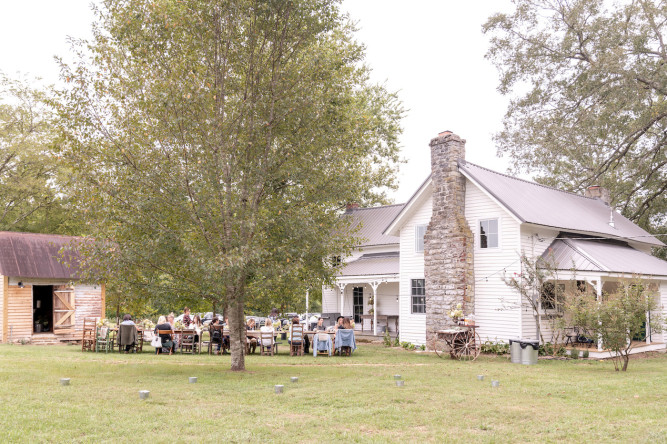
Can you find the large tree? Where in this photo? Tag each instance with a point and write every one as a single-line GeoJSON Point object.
{"type": "Point", "coordinates": [588, 80]}
{"type": "Point", "coordinates": [30, 173]}
{"type": "Point", "coordinates": [213, 143]}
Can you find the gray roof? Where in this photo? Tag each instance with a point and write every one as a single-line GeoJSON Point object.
{"type": "Point", "coordinates": [538, 204]}
{"type": "Point", "coordinates": [373, 221]}
{"type": "Point", "coordinates": [34, 255]}
{"type": "Point", "coordinates": [372, 264]}
{"type": "Point", "coordinates": [602, 255]}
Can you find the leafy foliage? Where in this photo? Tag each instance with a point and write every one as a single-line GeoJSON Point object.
{"type": "Point", "coordinates": [589, 107]}
{"type": "Point", "coordinates": [214, 143]}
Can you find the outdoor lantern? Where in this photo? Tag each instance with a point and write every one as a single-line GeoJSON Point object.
{"type": "Point", "coordinates": [21, 284]}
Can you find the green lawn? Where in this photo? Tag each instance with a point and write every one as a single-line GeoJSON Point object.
{"type": "Point", "coordinates": [336, 399]}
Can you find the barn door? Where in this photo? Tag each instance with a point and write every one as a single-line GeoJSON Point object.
{"type": "Point", "coordinates": [63, 310]}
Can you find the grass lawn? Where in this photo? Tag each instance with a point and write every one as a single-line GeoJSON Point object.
{"type": "Point", "coordinates": [336, 399]}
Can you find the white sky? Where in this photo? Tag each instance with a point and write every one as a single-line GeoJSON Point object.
{"type": "Point", "coordinates": [430, 51]}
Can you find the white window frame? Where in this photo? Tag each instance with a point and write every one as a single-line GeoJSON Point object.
{"type": "Point", "coordinates": [412, 296]}
{"type": "Point", "coordinates": [417, 238]}
{"type": "Point", "coordinates": [479, 233]}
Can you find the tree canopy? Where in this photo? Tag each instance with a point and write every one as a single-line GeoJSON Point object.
{"type": "Point", "coordinates": [588, 80]}
{"type": "Point", "coordinates": [213, 143]}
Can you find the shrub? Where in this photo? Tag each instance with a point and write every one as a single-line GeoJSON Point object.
{"type": "Point", "coordinates": [546, 349]}
{"type": "Point", "coordinates": [574, 353]}
{"type": "Point", "coordinates": [386, 339]}
{"type": "Point", "coordinates": [495, 347]}
{"type": "Point", "coordinates": [584, 354]}
{"type": "Point", "coordinates": [396, 342]}
{"type": "Point", "coordinates": [422, 347]}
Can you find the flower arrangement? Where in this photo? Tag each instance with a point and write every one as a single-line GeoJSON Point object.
{"type": "Point", "coordinates": [276, 325]}
{"type": "Point", "coordinates": [178, 325]}
{"type": "Point", "coordinates": [147, 324]}
{"type": "Point", "coordinates": [457, 312]}
{"type": "Point", "coordinates": [103, 322]}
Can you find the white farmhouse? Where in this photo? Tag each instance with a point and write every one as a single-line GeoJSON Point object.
{"type": "Point", "coordinates": [466, 228]}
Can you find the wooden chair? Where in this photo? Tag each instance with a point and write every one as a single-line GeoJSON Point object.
{"type": "Point", "coordinates": [188, 342]}
{"type": "Point", "coordinates": [211, 332]}
{"type": "Point", "coordinates": [323, 337]}
{"type": "Point", "coordinates": [103, 339]}
{"type": "Point", "coordinates": [264, 338]}
{"type": "Point", "coordinates": [165, 333]}
{"type": "Point", "coordinates": [89, 333]}
{"type": "Point", "coordinates": [297, 340]}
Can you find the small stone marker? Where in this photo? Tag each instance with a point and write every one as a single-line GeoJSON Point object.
{"type": "Point", "coordinates": [397, 377]}
{"type": "Point", "coordinates": [192, 379]}
{"type": "Point", "coordinates": [143, 394]}
{"type": "Point", "coordinates": [278, 388]}
{"type": "Point", "coordinates": [294, 379]}
{"type": "Point", "coordinates": [400, 383]}
{"type": "Point", "coordinates": [495, 383]}
{"type": "Point", "coordinates": [480, 377]}
{"type": "Point", "coordinates": [64, 381]}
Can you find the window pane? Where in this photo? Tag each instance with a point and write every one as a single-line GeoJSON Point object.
{"type": "Point", "coordinates": [420, 230]}
{"type": "Point", "coordinates": [492, 240]}
{"type": "Point", "coordinates": [488, 233]}
{"type": "Point", "coordinates": [493, 226]}
{"type": "Point", "coordinates": [483, 243]}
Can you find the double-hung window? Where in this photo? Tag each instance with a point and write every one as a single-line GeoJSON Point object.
{"type": "Point", "coordinates": [488, 233]}
{"type": "Point", "coordinates": [418, 298]}
{"type": "Point", "coordinates": [420, 231]}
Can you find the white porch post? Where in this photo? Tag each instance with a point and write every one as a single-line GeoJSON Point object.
{"type": "Point", "coordinates": [342, 297]}
{"type": "Point", "coordinates": [598, 297]}
{"type": "Point", "coordinates": [374, 286]}
{"type": "Point", "coordinates": [307, 320]}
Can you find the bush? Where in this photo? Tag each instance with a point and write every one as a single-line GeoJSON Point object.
{"type": "Point", "coordinates": [396, 342]}
{"type": "Point", "coordinates": [407, 345]}
{"type": "Point", "coordinates": [386, 339]}
{"type": "Point", "coordinates": [574, 353]}
{"type": "Point", "coordinates": [495, 347]}
{"type": "Point", "coordinates": [584, 354]}
{"type": "Point", "coordinates": [549, 349]}
{"type": "Point", "coordinates": [422, 347]}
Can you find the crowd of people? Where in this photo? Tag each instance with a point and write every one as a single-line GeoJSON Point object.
{"type": "Point", "coordinates": [165, 327]}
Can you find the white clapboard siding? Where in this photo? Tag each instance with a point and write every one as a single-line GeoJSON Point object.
{"type": "Point", "coordinates": [412, 326]}
{"type": "Point", "coordinates": [663, 295]}
{"type": "Point", "coordinates": [330, 299]}
{"type": "Point", "coordinates": [534, 241]}
{"type": "Point", "coordinates": [496, 311]}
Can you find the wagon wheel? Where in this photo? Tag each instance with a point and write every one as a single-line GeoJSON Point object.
{"type": "Point", "coordinates": [469, 346]}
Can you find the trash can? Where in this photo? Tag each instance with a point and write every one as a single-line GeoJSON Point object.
{"type": "Point", "coordinates": [529, 349]}
{"type": "Point", "coordinates": [515, 351]}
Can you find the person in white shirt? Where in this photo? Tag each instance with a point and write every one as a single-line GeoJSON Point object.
{"type": "Point", "coordinates": [268, 328]}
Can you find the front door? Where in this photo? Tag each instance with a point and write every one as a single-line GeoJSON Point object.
{"type": "Point", "coordinates": [358, 303]}
{"type": "Point", "coordinates": [63, 310]}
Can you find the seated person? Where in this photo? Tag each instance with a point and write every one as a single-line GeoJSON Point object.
{"type": "Point", "coordinates": [216, 334]}
{"type": "Point", "coordinates": [186, 317]}
{"type": "Point", "coordinates": [346, 324]}
{"type": "Point", "coordinates": [251, 341]}
{"type": "Point", "coordinates": [167, 339]}
{"type": "Point", "coordinates": [225, 338]}
{"type": "Point", "coordinates": [196, 325]}
{"type": "Point", "coordinates": [339, 322]}
{"type": "Point", "coordinates": [268, 328]}
{"type": "Point", "coordinates": [297, 339]}
{"type": "Point", "coordinates": [131, 338]}
{"type": "Point", "coordinates": [320, 325]}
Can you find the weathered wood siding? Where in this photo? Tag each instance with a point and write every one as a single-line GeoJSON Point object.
{"type": "Point", "coordinates": [88, 304]}
{"type": "Point", "coordinates": [496, 313]}
{"type": "Point", "coordinates": [19, 312]}
{"type": "Point", "coordinates": [412, 325]}
{"type": "Point", "coordinates": [3, 306]}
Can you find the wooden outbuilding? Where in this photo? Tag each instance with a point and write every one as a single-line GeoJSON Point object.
{"type": "Point", "coordinates": [41, 299]}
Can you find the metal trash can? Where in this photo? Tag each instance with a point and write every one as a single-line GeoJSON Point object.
{"type": "Point", "coordinates": [515, 351]}
{"type": "Point", "coordinates": [529, 350]}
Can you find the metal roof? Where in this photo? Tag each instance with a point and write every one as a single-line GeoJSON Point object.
{"type": "Point", "coordinates": [602, 255]}
{"type": "Point", "coordinates": [538, 204]}
{"type": "Point", "coordinates": [372, 264]}
{"type": "Point", "coordinates": [373, 221]}
{"type": "Point", "coordinates": [33, 255]}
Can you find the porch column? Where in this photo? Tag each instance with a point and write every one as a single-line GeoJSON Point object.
{"type": "Point", "coordinates": [342, 297]}
{"type": "Point", "coordinates": [374, 286]}
{"type": "Point", "coordinates": [598, 298]}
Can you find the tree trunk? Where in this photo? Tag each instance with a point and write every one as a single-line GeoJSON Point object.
{"type": "Point", "coordinates": [237, 333]}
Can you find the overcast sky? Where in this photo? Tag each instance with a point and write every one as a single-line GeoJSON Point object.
{"type": "Point", "coordinates": [430, 51]}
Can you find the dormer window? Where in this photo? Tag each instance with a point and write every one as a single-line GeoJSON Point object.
{"type": "Point", "coordinates": [420, 231]}
{"type": "Point", "coordinates": [488, 233]}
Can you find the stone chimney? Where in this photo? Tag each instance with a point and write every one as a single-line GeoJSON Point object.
{"type": "Point", "coordinates": [598, 192]}
{"type": "Point", "coordinates": [448, 243]}
{"type": "Point", "coordinates": [351, 207]}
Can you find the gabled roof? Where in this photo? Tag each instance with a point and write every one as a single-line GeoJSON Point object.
{"type": "Point", "coordinates": [372, 264]}
{"type": "Point", "coordinates": [373, 221]}
{"type": "Point", "coordinates": [33, 255]}
{"type": "Point", "coordinates": [542, 205]}
{"type": "Point", "coordinates": [602, 255]}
